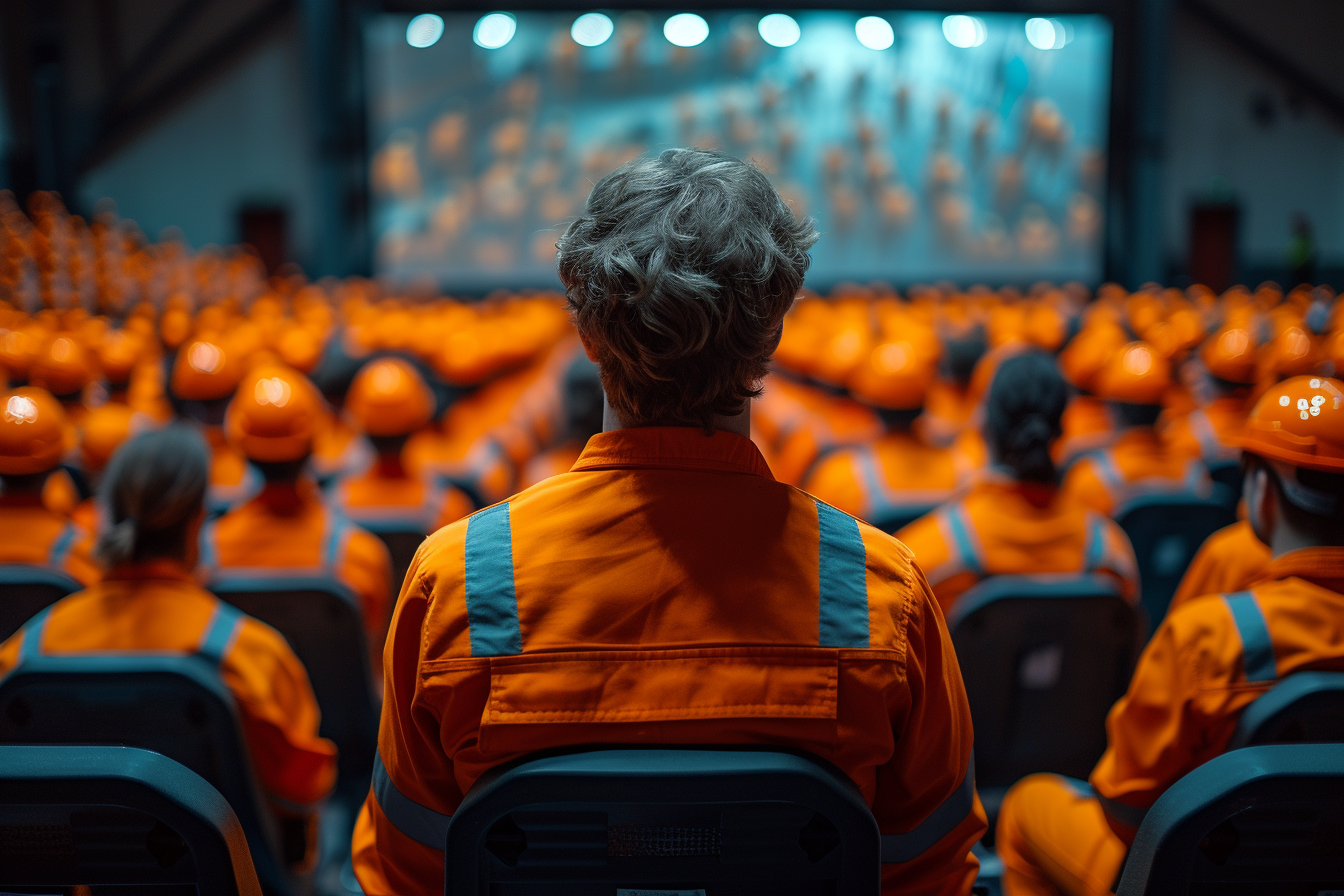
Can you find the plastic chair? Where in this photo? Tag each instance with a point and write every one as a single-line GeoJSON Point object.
{"type": "Point", "coordinates": [1304, 708]}
{"type": "Point", "coordinates": [1227, 480]}
{"type": "Point", "coordinates": [723, 822]}
{"type": "Point", "coordinates": [26, 590]}
{"type": "Point", "coordinates": [1043, 659]}
{"type": "Point", "coordinates": [1166, 530]}
{"type": "Point", "coordinates": [117, 816]}
{"type": "Point", "coordinates": [1260, 820]}
{"type": "Point", "coordinates": [402, 542]}
{"type": "Point", "coordinates": [172, 704]}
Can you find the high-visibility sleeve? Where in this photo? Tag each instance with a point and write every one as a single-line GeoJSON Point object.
{"type": "Point", "coordinates": [367, 569]}
{"type": "Point", "coordinates": [1229, 560]}
{"type": "Point", "coordinates": [1084, 483]}
{"type": "Point", "coordinates": [927, 539]}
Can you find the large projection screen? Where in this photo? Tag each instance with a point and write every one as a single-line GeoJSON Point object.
{"type": "Point", "coordinates": [920, 160]}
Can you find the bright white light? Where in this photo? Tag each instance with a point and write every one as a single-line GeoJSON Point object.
{"type": "Point", "coordinates": [779, 30]}
{"type": "Point", "coordinates": [591, 29]}
{"type": "Point", "coordinates": [424, 31]}
{"type": "Point", "coordinates": [1047, 34]}
{"type": "Point", "coordinates": [494, 30]}
{"type": "Point", "coordinates": [964, 31]}
{"type": "Point", "coordinates": [686, 30]}
{"type": "Point", "coordinates": [874, 33]}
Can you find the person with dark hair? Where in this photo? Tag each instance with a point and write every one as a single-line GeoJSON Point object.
{"type": "Point", "coordinates": [288, 526]}
{"type": "Point", "coordinates": [1209, 659]}
{"type": "Point", "coordinates": [667, 590]}
{"type": "Point", "coordinates": [1138, 462]}
{"type": "Point", "coordinates": [154, 494]}
{"type": "Point", "coordinates": [34, 436]}
{"type": "Point", "coordinates": [1015, 520]}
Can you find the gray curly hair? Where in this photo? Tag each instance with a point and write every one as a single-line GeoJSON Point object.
{"type": "Point", "coordinates": [154, 486]}
{"type": "Point", "coordinates": [678, 274]}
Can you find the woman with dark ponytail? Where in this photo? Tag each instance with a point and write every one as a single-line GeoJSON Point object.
{"type": "Point", "coordinates": [1015, 520]}
{"type": "Point", "coordinates": [154, 495]}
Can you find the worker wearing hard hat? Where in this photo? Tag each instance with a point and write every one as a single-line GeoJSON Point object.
{"type": "Point", "coordinates": [1213, 432]}
{"type": "Point", "coordinates": [287, 525]}
{"type": "Point", "coordinates": [1210, 658]}
{"type": "Point", "coordinates": [1015, 520]}
{"type": "Point", "coordinates": [63, 368]}
{"type": "Point", "coordinates": [204, 377]}
{"type": "Point", "coordinates": [668, 588]}
{"type": "Point", "coordinates": [1137, 463]}
{"type": "Point", "coordinates": [1087, 425]}
{"type": "Point", "coordinates": [34, 437]}
{"type": "Point", "coordinates": [105, 429]}
{"type": "Point", "coordinates": [580, 419]}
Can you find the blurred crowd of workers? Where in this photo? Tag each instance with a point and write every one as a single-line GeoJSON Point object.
{"type": "Point", "coordinates": [995, 432]}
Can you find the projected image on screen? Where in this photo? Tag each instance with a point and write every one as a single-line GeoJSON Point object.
{"type": "Point", "coordinates": [966, 147]}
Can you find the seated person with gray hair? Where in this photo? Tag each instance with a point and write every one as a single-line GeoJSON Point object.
{"type": "Point", "coordinates": [667, 590]}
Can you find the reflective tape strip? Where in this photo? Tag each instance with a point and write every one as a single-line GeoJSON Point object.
{"type": "Point", "coordinates": [1110, 475]}
{"type": "Point", "coordinates": [1126, 815]}
{"type": "Point", "coordinates": [1095, 552]}
{"type": "Point", "coordinates": [492, 603]}
{"type": "Point", "coordinates": [1256, 647]}
{"type": "Point", "coordinates": [939, 823]}
{"type": "Point", "coordinates": [1196, 477]}
{"type": "Point", "coordinates": [842, 579]}
{"type": "Point", "coordinates": [1206, 435]}
{"type": "Point", "coordinates": [1080, 787]}
{"type": "Point", "coordinates": [32, 636]}
{"type": "Point", "coordinates": [959, 527]}
{"type": "Point", "coordinates": [220, 632]}
{"type": "Point", "coordinates": [209, 555]}
{"type": "Point", "coordinates": [876, 490]}
{"type": "Point", "coordinates": [61, 546]}
{"type": "Point", "coordinates": [333, 546]}
{"type": "Point", "coordinates": [421, 823]}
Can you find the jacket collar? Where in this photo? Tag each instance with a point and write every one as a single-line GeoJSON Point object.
{"type": "Point", "coordinates": [672, 447]}
{"type": "Point", "coordinates": [1322, 566]}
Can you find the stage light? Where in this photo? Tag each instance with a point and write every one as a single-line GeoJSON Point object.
{"type": "Point", "coordinates": [494, 30]}
{"type": "Point", "coordinates": [686, 30]}
{"type": "Point", "coordinates": [591, 29]}
{"type": "Point", "coordinates": [779, 30]}
{"type": "Point", "coordinates": [964, 31]}
{"type": "Point", "coordinates": [1047, 34]}
{"type": "Point", "coordinates": [874, 33]}
{"type": "Point", "coordinates": [424, 30]}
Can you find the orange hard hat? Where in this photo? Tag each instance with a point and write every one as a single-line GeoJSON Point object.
{"type": "Point", "coordinates": [843, 352]}
{"type": "Point", "coordinates": [1045, 327]}
{"type": "Point", "coordinates": [299, 347]}
{"type": "Point", "coordinates": [18, 348]}
{"type": "Point", "coordinates": [1293, 352]}
{"type": "Point", "coordinates": [103, 431]}
{"type": "Point", "coordinates": [1136, 374]}
{"type": "Point", "coordinates": [175, 327]}
{"type": "Point", "coordinates": [1230, 354]}
{"type": "Point", "coordinates": [117, 356]}
{"type": "Point", "coordinates": [34, 432]}
{"type": "Point", "coordinates": [274, 415]}
{"type": "Point", "coordinates": [1300, 422]}
{"type": "Point", "coordinates": [388, 397]}
{"type": "Point", "coordinates": [61, 366]}
{"type": "Point", "coordinates": [204, 371]}
{"type": "Point", "coordinates": [895, 375]}
{"type": "Point", "coordinates": [1087, 354]}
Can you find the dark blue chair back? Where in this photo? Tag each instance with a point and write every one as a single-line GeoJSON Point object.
{"type": "Point", "coordinates": [1227, 480]}
{"type": "Point", "coordinates": [172, 704]}
{"type": "Point", "coordinates": [724, 822]}
{"type": "Point", "coordinates": [26, 590]}
{"type": "Point", "coordinates": [1304, 708]}
{"type": "Point", "coordinates": [896, 517]}
{"type": "Point", "coordinates": [1253, 821]}
{"type": "Point", "coordinates": [1166, 530]}
{"type": "Point", "coordinates": [402, 542]}
{"type": "Point", "coordinates": [1043, 659]}
{"type": "Point", "coordinates": [118, 817]}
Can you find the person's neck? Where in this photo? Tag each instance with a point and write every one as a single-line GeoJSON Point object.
{"type": "Point", "coordinates": [739, 424]}
{"type": "Point", "coordinates": [1287, 539]}
{"type": "Point", "coordinates": [389, 465]}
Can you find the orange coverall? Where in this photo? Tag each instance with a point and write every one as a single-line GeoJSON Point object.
{"type": "Point", "coordinates": [1210, 658]}
{"type": "Point", "coordinates": [1137, 464]}
{"type": "Point", "coordinates": [1229, 560]}
{"type": "Point", "coordinates": [289, 528]}
{"type": "Point", "coordinates": [808, 423]}
{"type": "Point", "coordinates": [375, 499]}
{"type": "Point", "coordinates": [1086, 426]}
{"type": "Point", "coordinates": [948, 410]}
{"type": "Point", "coordinates": [33, 535]}
{"type": "Point", "coordinates": [669, 591]}
{"type": "Point", "coordinates": [155, 606]}
{"type": "Point", "coordinates": [1212, 433]}
{"type": "Point", "coordinates": [1004, 527]}
{"type": "Point", "coordinates": [552, 462]}
{"type": "Point", "coordinates": [897, 472]}
{"type": "Point", "coordinates": [232, 479]}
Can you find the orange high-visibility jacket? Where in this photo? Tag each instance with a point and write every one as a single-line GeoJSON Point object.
{"type": "Point", "coordinates": [669, 591]}
{"type": "Point", "coordinates": [288, 528]}
{"type": "Point", "coordinates": [897, 472]}
{"type": "Point", "coordinates": [1229, 560]}
{"type": "Point", "coordinates": [33, 535]}
{"type": "Point", "coordinates": [800, 423]}
{"type": "Point", "coordinates": [1086, 426]}
{"type": "Point", "coordinates": [376, 500]}
{"type": "Point", "coordinates": [1212, 433]}
{"type": "Point", "coordinates": [949, 409]}
{"type": "Point", "coordinates": [1003, 527]}
{"type": "Point", "coordinates": [551, 462]}
{"type": "Point", "coordinates": [1210, 658]}
{"type": "Point", "coordinates": [156, 607]}
{"type": "Point", "coordinates": [1137, 464]}
{"type": "Point", "coordinates": [232, 479]}
{"type": "Point", "coordinates": [339, 450]}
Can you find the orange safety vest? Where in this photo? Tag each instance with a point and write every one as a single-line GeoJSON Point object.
{"type": "Point", "coordinates": [1086, 426]}
{"type": "Point", "coordinates": [1137, 464]}
{"type": "Point", "coordinates": [1229, 560]}
{"type": "Point", "coordinates": [1212, 433]}
{"type": "Point", "coordinates": [32, 535]}
{"type": "Point", "coordinates": [668, 591]}
{"type": "Point", "coordinates": [895, 475]}
{"type": "Point", "coordinates": [399, 503]}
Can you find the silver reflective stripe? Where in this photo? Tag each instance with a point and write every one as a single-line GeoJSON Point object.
{"type": "Point", "coordinates": [1126, 815]}
{"type": "Point", "coordinates": [420, 823]}
{"type": "Point", "coordinates": [939, 823]}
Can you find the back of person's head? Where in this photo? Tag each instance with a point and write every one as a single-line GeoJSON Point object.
{"type": "Point", "coordinates": [1022, 414]}
{"type": "Point", "coordinates": [1134, 382]}
{"type": "Point", "coordinates": [152, 491]}
{"type": "Point", "coordinates": [679, 272]}
{"type": "Point", "coordinates": [274, 417]}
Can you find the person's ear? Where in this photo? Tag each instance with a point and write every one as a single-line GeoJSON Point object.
{"type": "Point", "coordinates": [588, 348]}
{"type": "Point", "coordinates": [1261, 505]}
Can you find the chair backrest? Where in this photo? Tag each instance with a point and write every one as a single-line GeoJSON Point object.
{"type": "Point", "coordinates": [322, 621]}
{"type": "Point", "coordinates": [1304, 708]}
{"type": "Point", "coordinates": [1166, 530]}
{"type": "Point", "coordinates": [116, 816]}
{"type": "Point", "coordinates": [718, 821]}
{"type": "Point", "coordinates": [172, 704]}
{"type": "Point", "coordinates": [1226, 476]}
{"type": "Point", "coordinates": [1043, 658]}
{"type": "Point", "coordinates": [894, 518]}
{"type": "Point", "coordinates": [1253, 821]}
{"type": "Point", "coordinates": [26, 590]}
{"type": "Point", "coordinates": [402, 543]}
